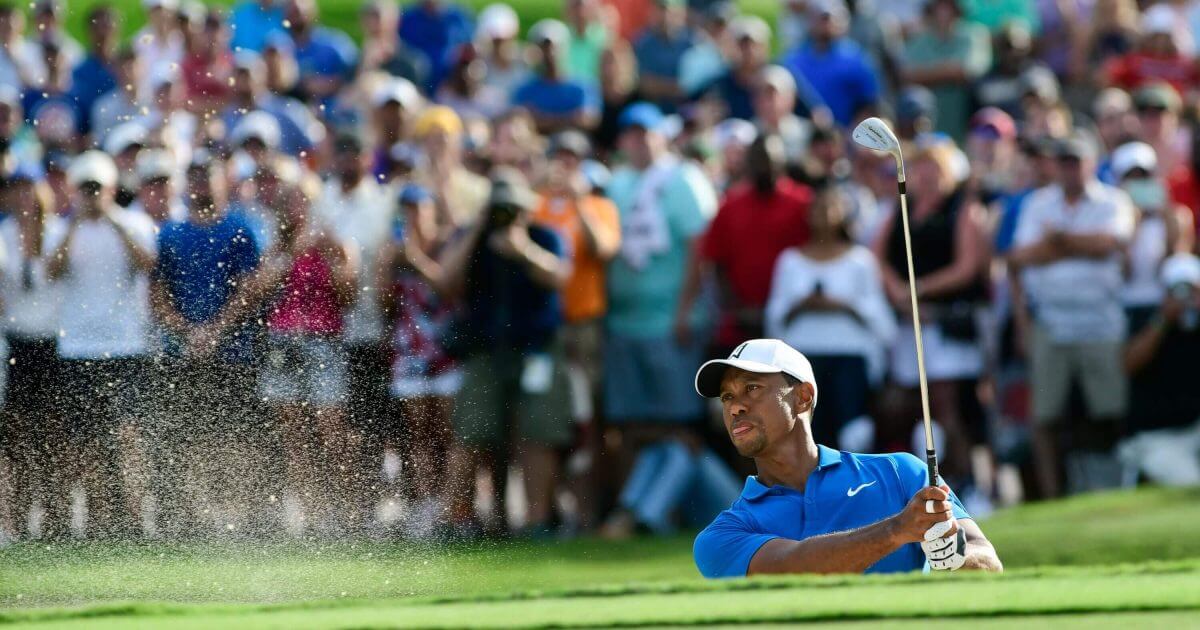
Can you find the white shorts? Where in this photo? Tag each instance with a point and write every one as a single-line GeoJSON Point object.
{"type": "Point", "coordinates": [945, 359]}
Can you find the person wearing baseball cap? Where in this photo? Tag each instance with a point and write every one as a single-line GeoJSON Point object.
{"type": "Point", "coordinates": [556, 100]}
{"type": "Point", "coordinates": [810, 508]}
{"type": "Point", "coordinates": [102, 264]}
{"type": "Point", "coordinates": [735, 86]}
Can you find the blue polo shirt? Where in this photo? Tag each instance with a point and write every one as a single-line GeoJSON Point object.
{"type": "Point", "coordinates": [843, 75]}
{"type": "Point", "coordinates": [565, 97]}
{"type": "Point", "coordinates": [846, 491]}
{"type": "Point", "coordinates": [437, 32]}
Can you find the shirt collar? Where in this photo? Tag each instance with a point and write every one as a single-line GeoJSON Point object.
{"type": "Point", "coordinates": [755, 490]}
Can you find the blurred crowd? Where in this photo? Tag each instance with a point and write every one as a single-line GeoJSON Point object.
{"type": "Point", "coordinates": [454, 279]}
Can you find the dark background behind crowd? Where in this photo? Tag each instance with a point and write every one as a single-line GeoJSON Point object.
{"type": "Point", "coordinates": [454, 279]}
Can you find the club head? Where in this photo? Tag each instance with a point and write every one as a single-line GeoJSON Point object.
{"type": "Point", "coordinates": [874, 134]}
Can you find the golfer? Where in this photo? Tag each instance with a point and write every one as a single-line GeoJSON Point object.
{"type": "Point", "coordinates": [812, 509]}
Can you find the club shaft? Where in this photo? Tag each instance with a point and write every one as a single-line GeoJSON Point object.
{"type": "Point", "coordinates": [930, 452]}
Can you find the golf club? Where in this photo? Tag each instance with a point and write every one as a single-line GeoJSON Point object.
{"type": "Point", "coordinates": [874, 134]}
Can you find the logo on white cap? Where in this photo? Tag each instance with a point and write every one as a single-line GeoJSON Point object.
{"type": "Point", "coordinates": [763, 356]}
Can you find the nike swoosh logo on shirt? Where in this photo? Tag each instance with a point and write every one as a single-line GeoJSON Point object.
{"type": "Point", "coordinates": [853, 491]}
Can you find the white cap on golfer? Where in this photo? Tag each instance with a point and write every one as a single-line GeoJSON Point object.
{"type": "Point", "coordinates": [763, 356]}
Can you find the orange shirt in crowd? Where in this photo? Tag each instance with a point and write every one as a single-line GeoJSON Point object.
{"type": "Point", "coordinates": [584, 296]}
{"type": "Point", "coordinates": [633, 16]}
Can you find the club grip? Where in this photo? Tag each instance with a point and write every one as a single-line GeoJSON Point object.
{"type": "Point", "coordinates": [931, 461]}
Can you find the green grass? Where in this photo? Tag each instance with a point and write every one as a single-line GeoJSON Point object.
{"type": "Point", "coordinates": [1136, 553]}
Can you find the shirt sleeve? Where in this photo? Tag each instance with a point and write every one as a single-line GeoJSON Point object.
{"type": "Point", "coordinates": [914, 474]}
{"type": "Point", "coordinates": [1029, 227]}
{"type": "Point", "coordinates": [724, 549]}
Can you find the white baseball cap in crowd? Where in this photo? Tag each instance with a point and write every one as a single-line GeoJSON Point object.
{"type": "Point", "coordinates": [763, 356]}
{"type": "Point", "coordinates": [497, 21]}
{"type": "Point", "coordinates": [170, 5]}
{"type": "Point", "coordinates": [549, 31]}
{"type": "Point", "coordinates": [397, 90]}
{"type": "Point", "coordinates": [1133, 155]}
{"type": "Point", "coordinates": [1159, 19]}
{"type": "Point", "coordinates": [155, 164]}
{"type": "Point", "coordinates": [1181, 268]}
{"type": "Point", "coordinates": [734, 131]}
{"type": "Point", "coordinates": [260, 125]}
{"type": "Point", "coordinates": [92, 166]}
{"type": "Point", "coordinates": [124, 136]}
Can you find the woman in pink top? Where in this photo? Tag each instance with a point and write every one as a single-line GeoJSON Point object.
{"type": "Point", "coordinates": [304, 375]}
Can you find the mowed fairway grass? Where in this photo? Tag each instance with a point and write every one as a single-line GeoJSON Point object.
{"type": "Point", "coordinates": [1125, 559]}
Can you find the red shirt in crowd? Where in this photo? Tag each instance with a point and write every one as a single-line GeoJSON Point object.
{"type": "Point", "coordinates": [749, 232]}
{"type": "Point", "coordinates": [1135, 69]}
{"type": "Point", "coordinates": [308, 302]}
{"type": "Point", "coordinates": [1184, 190]}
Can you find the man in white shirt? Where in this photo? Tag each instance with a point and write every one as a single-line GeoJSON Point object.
{"type": "Point", "coordinates": [1068, 247]}
{"type": "Point", "coordinates": [359, 212]}
{"type": "Point", "coordinates": [102, 263]}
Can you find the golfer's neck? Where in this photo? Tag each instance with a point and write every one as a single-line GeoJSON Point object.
{"type": "Point", "coordinates": [790, 463]}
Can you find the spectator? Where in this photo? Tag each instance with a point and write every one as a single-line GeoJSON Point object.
{"type": "Point", "coordinates": [465, 91]}
{"type": "Point", "coordinates": [759, 217]}
{"type": "Point", "coordinates": [253, 22]}
{"type": "Point", "coordinates": [774, 104]}
{"type": "Point", "coordinates": [733, 89]}
{"type": "Point", "coordinates": [48, 31]}
{"type": "Point", "coordinates": [1116, 124]}
{"type": "Point", "coordinates": [1067, 249]}
{"type": "Point", "coordinates": [946, 56]}
{"type": "Point", "coordinates": [424, 377]}
{"type": "Point", "coordinates": [515, 142]}
{"type": "Point", "coordinates": [992, 151]}
{"type": "Point", "coordinates": [827, 298]}
{"type": "Point", "coordinates": [1158, 353]}
{"type": "Point", "coordinates": [19, 58]}
{"type": "Point", "coordinates": [630, 16]}
{"type": "Point", "coordinates": [1043, 112]}
{"type": "Point", "coordinates": [1033, 171]}
{"type": "Point", "coordinates": [327, 58]}
{"type": "Point", "coordinates": [706, 61]}
{"type": "Point", "coordinates": [299, 131]}
{"type": "Point", "coordinates": [122, 104]}
{"type": "Point", "coordinates": [159, 44]}
{"type": "Point", "coordinates": [507, 272]}
{"type": "Point", "coordinates": [102, 262]}
{"type": "Point", "coordinates": [496, 37]}
{"type": "Point", "coordinates": [1112, 35]}
{"type": "Point", "coordinates": [436, 28]}
{"type": "Point", "coordinates": [916, 109]}
{"type": "Point", "coordinates": [460, 194]}
{"type": "Point", "coordinates": [659, 50]}
{"type": "Point", "coordinates": [123, 145]}
{"type": "Point", "coordinates": [665, 206]}
{"type": "Point", "coordinates": [946, 228]}
{"type": "Point", "coordinates": [303, 379]}
{"type": "Point", "coordinates": [996, 15]}
{"type": "Point", "coordinates": [383, 49]}
{"type": "Point", "coordinates": [1157, 232]}
{"type": "Point", "coordinates": [94, 77]}
{"type": "Point", "coordinates": [618, 89]}
{"type": "Point", "coordinates": [556, 101]}
{"type": "Point", "coordinates": [1001, 86]}
{"type": "Point", "coordinates": [156, 196]}
{"type": "Point", "coordinates": [36, 435]}
{"type": "Point", "coordinates": [830, 168]}
{"type": "Point", "coordinates": [1156, 58]}
{"type": "Point", "coordinates": [1158, 109]}
{"type": "Point", "coordinates": [836, 67]}
{"type": "Point", "coordinates": [394, 106]}
{"type": "Point", "coordinates": [200, 296]}
{"type": "Point", "coordinates": [359, 213]}
{"type": "Point", "coordinates": [589, 38]}
{"type": "Point", "coordinates": [207, 70]}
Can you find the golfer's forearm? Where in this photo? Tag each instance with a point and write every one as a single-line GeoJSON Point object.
{"type": "Point", "coordinates": [851, 551]}
{"type": "Point", "coordinates": [982, 557]}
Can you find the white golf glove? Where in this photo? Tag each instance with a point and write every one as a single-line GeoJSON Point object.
{"type": "Point", "coordinates": [944, 554]}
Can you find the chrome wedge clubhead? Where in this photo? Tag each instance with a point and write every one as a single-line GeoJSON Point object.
{"type": "Point", "coordinates": [874, 134]}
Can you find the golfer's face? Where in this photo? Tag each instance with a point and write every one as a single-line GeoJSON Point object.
{"type": "Point", "coordinates": [755, 409]}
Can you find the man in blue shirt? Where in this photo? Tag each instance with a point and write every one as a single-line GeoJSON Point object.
{"type": "Point", "coordinates": [252, 21]}
{"type": "Point", "coordinates": [437, 29]}
{"type": "Point", "coordinates": [834, 65]}
{"type": "Point", "coordinates": [812, 509]}
{"type": "Point", "coordinates": [326, 57]}
{"type": "Point", "coordinates": [93, 77]}
{"type": "Point", "coordinates": [659, 51]}
{"type": "Point", "coordinates": [556, 102]}
{"type": "Point", "coordinates": [200, 292]}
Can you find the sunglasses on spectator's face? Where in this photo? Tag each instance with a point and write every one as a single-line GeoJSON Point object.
{"type": "Point", "coordinates": [1069, 160]}
{"type": "Point", "coordinates": [1152, 109]}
